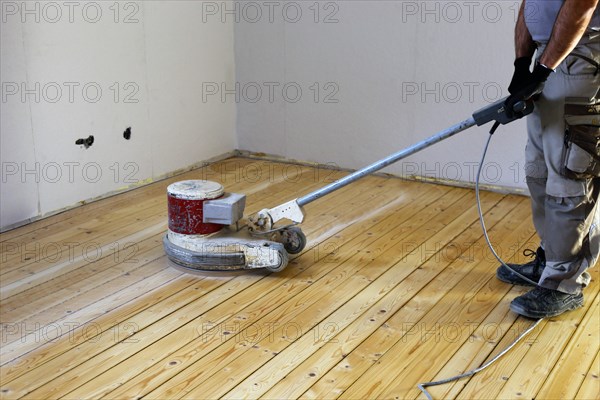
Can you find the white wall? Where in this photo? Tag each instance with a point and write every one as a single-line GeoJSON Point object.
{"type": "Point", "coordinates": [375, 76]}
{"type": "Point", "coordinates": [394, 68]}
{"type": "Point", "coordinates": [150, 61]}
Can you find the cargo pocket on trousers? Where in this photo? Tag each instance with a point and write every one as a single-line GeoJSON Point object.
{"type": "Point", "coordinates": [581, 150]}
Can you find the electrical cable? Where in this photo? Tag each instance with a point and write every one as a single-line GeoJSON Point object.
{"type": "Point", "coordinates": [485, 233]}
{"type": "Point", "coordinates": [423, 385]}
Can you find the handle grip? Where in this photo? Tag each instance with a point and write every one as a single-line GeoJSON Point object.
{"type": "Point", "coordinates": [499, 113]}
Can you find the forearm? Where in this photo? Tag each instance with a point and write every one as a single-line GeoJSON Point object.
{"type": "Point", "coordinates": [571, 23]}
{"type": "Point", "coordinates": [524, 45]}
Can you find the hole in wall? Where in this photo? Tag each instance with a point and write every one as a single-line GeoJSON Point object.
{"type": "Point", "coordinates": [87, 142]}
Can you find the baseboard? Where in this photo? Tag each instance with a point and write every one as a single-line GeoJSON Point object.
{"type": "Point", "coordinates": [264, 157]}
{"type": "Point", "coordinates": [416, 178]}
{"type": "Point", "coordinates": [124, 189]}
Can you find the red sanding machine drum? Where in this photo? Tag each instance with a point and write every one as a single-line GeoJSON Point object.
{"type": "Point", "coordinates": [186, 202]}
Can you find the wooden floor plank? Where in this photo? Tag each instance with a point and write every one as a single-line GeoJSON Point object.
{"type": "Point", "coordinates": [485, 342]}
{"type": "Point", "coordinates": [309, 277]}
{"type": "Point", "coordinates": [274, 299]}
{"type": "Point", "coordinates": [380, 280]}
{"type": "Point", "coordinates": [62, 368]}
{"type": "Point", "coordinates": [458, 306]}
{"type": "Point", "coordinates": [590, 388]}
{"type": "Point", "coordinates": [363, 278]}
{"type": "Point", "coordinates": [78, 276]}
{"type": "Point", "coordinates": [537, 350]}
{"type": "Point", "coordinates": [138, 324]}
{"type": "Point", "coordinates": [576, 360]}
{"type": "Point", "coordinates": [98, 214]}
{"type": "Point", "coordinates": [307, 354]}
{"type": "Point", "coordinates": [66, 299]}
{"type": "Point", "coordinates": [138, 251]}
{"type": "Point", "coordinates": [395, 332]}
{"type": "Point", "coordinates": [35, 339]}
{"type": "Point", "coordinates": [70, 256]}
{"type": "Point", "coordinates": [37, 254]}
{"type": "Point", "coordinates": [159, 250]}
{"type": "Point", "coordinates": [66, 247]}
{"type": "Point", "coordinates": [391, 269]}
{"type": "Point", "coordinates": [295, 383]}
{"type": "Point", "coordinates": [541, 357]}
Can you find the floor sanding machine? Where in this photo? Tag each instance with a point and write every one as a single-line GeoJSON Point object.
{"type": "Point", "coordinates": [208, 230]}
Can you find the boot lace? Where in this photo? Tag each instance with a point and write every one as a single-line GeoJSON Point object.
{"type": "Point", "coordinates": [529, 253]}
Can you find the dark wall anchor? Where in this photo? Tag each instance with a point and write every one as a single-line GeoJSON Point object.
{"type": "Point", "coordinates": [85, 142]}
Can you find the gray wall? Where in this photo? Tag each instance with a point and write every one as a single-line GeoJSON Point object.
{"type": "Point", "coordinates": [389, 73]}
{"type": "Point", "coordinates": [149, 59]}
{"type": "Point", "coordinates": [341, 82]}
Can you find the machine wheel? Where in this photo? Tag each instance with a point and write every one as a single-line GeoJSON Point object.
{"type": "Point", "coordinates": [294, 240]}
{"type": "Point", "coordinates": [283, 255]}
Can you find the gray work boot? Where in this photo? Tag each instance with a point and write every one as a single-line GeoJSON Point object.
{"type": "Point", "coordinates": [532, 270]}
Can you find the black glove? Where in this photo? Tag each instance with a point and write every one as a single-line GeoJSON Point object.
{"type": "Point", "coordinates": [525, 89]}
{"type": "Point", "coordinates": [521, 75]}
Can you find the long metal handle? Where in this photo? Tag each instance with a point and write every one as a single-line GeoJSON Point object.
{"type": "Point", "coordinates": [340, 183]}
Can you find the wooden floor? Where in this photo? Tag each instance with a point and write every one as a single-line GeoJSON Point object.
{"type": "Point", "coordinates": [396, 287]}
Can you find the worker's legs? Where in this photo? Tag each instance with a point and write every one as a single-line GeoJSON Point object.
{"type": "Point", "coordinates": [573, 244]}
{"type": "Point", "coordinates": [564, 210]}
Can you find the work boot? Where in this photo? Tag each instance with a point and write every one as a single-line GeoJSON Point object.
{"type": "Point", "coordinates": [543, 303]}
{"type": "Point", "coordinates": [532, 270]}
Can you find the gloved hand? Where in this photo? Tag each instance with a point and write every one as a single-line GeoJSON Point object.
{"type": "Point", "coordinates": [521, 75]}
{"type": "Point", "coordinates": [525, 87]}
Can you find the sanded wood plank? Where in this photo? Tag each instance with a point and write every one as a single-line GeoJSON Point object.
{"type": "Point", "coordinates": [191, 298]}
{"type": "Point", "coordinates": [394, 331]}
{"type": "Point", "coordinates": [307, 354]}
{"type": "Point", "coordinates": [440, 338]}
{"type": "Point", "coordinates": [289, 176]}
{"type": "Point", "coordinates": [88, 227]}
{"type": "Point", "coordinates": [590, 388]}
{"type": "Point", "coordinates": [488, 338]}
{"type": "Point", "coordinates": [295, 383]}
{"type": "Point", "coordinates": [94, 216]}
{"type": "Point", "coordinates": [77, 276]}
{"type": "Point", "coordinates": [309, 278]}
{"type": "Point", "coordinates": [62, 249]}
{"type": "Point", "coordinates": [414, 250]}
{"type": "Point", "coordinates": [467, 301]}
{"type": "Point", "coordinates": [574, 363]}
{"type": "Point", "coordinates": [492, 380]}
{"type": "Point", "coordinates": [357, 198]}
{"type": "Point", "coordinates": [22, 282]}
{"type": "Point", "coordinates": [425, 362]}
{"type": "Point", "coordinates": [73, 277]}
{"type": "Point", "coordinates": [194, 328]}
{"type": "Point", "coordinates": [32, 340]}
{"type": "Point", "coordinates": [536, 365]}
{"type": "Point", "coordinates": [138, 250]}
{"type": "Point", "coordinates": [368, 283]}
{"type": "Point", "coordinates": [36, 254]}
{"type": "Point", "coordinates": [52, 308]}
{"type": "Point", "coordinates": [488, 383]}
{"type": "Point", "coordinates": [67, 246]}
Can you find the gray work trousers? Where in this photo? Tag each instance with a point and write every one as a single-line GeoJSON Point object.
{"type": "Point", "coordinates": [566, 214]}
